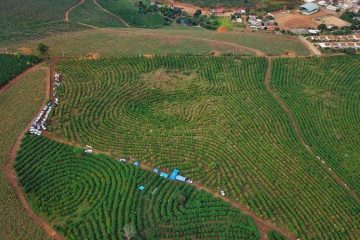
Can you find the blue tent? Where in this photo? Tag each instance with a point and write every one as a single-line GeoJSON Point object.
{"type": "Point", "coordinates": [141, 188]}
{"type": "Point", "coordinates": [164, 175]}
{"type": "Point", "coordinates": [156, 170]}
{"type": "Point", "coordinates": [174, 173]}
{"type": "Point", "coordinates": [136, 164]}
{"type": "Point", "coordinates": [180, 178]}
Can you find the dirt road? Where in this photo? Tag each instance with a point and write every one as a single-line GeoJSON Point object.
{"type": "Point", "coordinates": [18, 77]}
{"type": "Point", "coordinates": [114, 15]}
{"type": "Point", "coordinates": [11, 175]}
{"type": "Point", "coordinates": [72, 8]}
{"type": "Point", "coordinates": [263, 226]}
{"type": "Point", "coordinates": [296, 128]}
{"type": "Point", "coordinates": [310, 46]}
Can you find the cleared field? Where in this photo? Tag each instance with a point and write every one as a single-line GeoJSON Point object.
{"type": "Point", "coordinates": [213, 119]}
{"type": "Point", "coordinates": [127, 10]}
{"type": "Point", "coordinates": [90, 13]}
{"type": "Point", "coordinates": [95, 197]}
{"type": "Point", "coordinates": [324, 96]}
{"type": "Point", "coordinates": [18, 105]}
{"type": "Point", "coordinates": [116, 42]}
{"type": "Point", "coordinates": [12, 65]}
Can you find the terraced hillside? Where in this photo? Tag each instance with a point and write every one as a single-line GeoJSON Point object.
{"type": "Point", "coordinates": [12, 65]}
{"type": "Point", "coordinates": [95, 197]}
{"type": "Point", "coordinates": [325, 98]}
{"type": "Point", "coordinates": [213, 119]}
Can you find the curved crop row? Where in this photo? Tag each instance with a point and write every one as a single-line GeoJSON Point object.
{"type": "Point", "coordinates": [324, 94]}
{"type": "Point", "coordinates": [95, 197]}
{"type": "Point", "coordinates": [213, 119]}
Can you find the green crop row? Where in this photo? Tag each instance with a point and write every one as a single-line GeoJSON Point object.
{"type": "Point", "coordinates": [213, 119]}
{"type": "Point", "coordinates": [96, 197]}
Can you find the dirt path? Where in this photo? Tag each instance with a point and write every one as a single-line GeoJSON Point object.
{"type": "Point", "coordinates": [263, 225]}
{"type": "Point", "coordinates": [72, 8]}
{"type": "Point", "coordinates": [309, 46]}
{"type": "Point", "coordinates": [213, 41]}
{"type": "Point", "coordinates": [114, 15]}
{"type": "Point", "coordinates": [20, 76]}
{"type": "Point", "coordinates": [296, 128]}
{"type": "Point", "coordinates": [11, 175]}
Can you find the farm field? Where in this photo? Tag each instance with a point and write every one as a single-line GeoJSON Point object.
{"type": "Point", "coordinates": [12, 65]}
{"type": "Point", "coordinates": [326, 105]}
{"type": "Point", "coordinates": [213, 119]}
{"type": "Point", "coordinates": [16, 113]}
{"type": "Point", "coordinates": [26, 20]}
{"type": "Point", "coordinates": [89, 13]}
{"type": "Point", "coordinates": [130, 13]}
{"type": "Point", "coordinates": [96, 197]}
{"type": "Point", "coordinates": [115, 42]}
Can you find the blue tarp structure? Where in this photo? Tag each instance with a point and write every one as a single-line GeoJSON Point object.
{"type": "Point", "coordinates": [136, 164]}
{"type": "Point", "coordinates": [180, 178]}
{"type": "Point", "coordinates": [156, 170]}
{"type": "Point", "coordinates": [174, 173]}
{"type": "Point", "coordinates": [164, 175]}
{"type": "Point", "coordinates": [141, 188]}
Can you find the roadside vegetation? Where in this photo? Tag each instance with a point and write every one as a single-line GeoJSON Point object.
{"type": "Point", "coordinates": [96, 197]}
{"type": "Point", "coordinates": [326, 106]}
{"type": "Point", "coordinates": [12, 65]}
{"type": "Point", "coordinates": [131, 13]}
{"type": "Point", "coordinates": [18, 106]}
{"type": "Point", "coordinates": [213, 119]}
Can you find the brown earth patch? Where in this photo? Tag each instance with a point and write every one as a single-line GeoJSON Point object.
{"type": "Point", "coordinates": [169, 80]}
{"type": "Point", "coordinates": [295, 20]}
{"type": "Point", "coordinates": [25, 50]}
{"type": "Point", "coordinates": [222, 29]}
{"type": "Point", "coordinates": [148, 55]}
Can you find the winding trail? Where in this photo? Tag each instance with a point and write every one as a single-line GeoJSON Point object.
{"type": "Point", "coordinates": [112, 14]}
{"type": "Point", "coordinates": [263, 225]}
{"type": "Point", "coordinates": [296, 128]}
{"type": "Point", "coordinates": [72, 8]}
{"type": "Point", "coordinates": [10, 172]}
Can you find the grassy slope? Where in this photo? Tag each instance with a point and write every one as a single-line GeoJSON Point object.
{"type": "Point", "coordinates": [129, 12]}
{"type": "Point", "coordinates": [91, 14]}
{"type": "Point", "coordinates": [326, 105]}
{"type": "Point", "coordinates": [162, 41]}
{"type": "Point", "coordinates": [104, 198]}
{"type": "Point", "coordinates": [26, 20]}
{"type": "Point", "coordinates": [217, 123]}
{"type": "Point", "coordinates": [17, 107]}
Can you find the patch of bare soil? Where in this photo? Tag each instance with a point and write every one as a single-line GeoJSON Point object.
{"type": "Point", "coordinates": [148, 55]}
{"type": "Point", "coordinates": [25, 50]}
{"type": "Point", "coordinates": [168, 80]}
{"type": "Point", "coordinates": [222, 29]}
{"type": "Point", "coordinates": [216, 53]}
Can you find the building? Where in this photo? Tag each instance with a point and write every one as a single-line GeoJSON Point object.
{"type": "Point", "coordinates": [309, 8]}
{"type": "Point", "coordinates": [332, 8]}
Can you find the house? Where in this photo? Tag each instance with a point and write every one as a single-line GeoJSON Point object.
{"type": "Point", "coordinates": [309, 1]}
{"type": "Point", "coordinates": [239, 11]}
{"type": "Point", "coordinates": [174, 173]}
{"type": "Point", "coordinates": [332, 8]}
{"type": "Point", "coordinates": [220, 11]}
{"type": "Point", "coordinates": [309, 8]}
{"type": "Point", "coordinates": [323, 3]}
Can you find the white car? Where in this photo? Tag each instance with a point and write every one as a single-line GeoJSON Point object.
{"type": "Point", "coordinates": [189, 181]}
{"type": "Point", "coordinates": [222, 193]}
{"type": "Point", "coordinates": [122, 160]}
